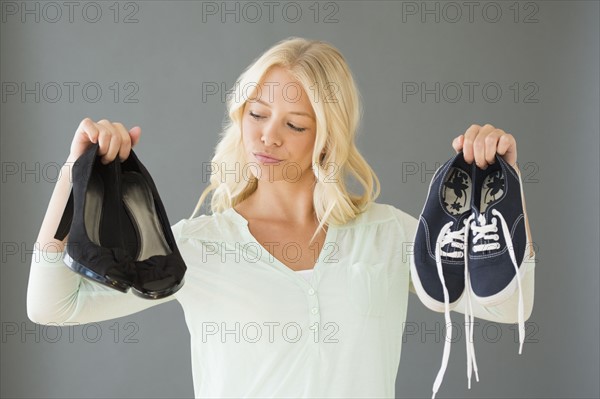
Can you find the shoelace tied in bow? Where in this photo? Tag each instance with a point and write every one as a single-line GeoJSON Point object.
{"type": "Point", "coordinates": [458, 239]}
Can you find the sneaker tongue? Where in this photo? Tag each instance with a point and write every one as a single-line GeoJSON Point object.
{"type": "Point", "coordinates": [475, 211]}
{"type": "Point", "coordinates": [483, 219]}
{"type": "Point", "coordinates": [460, 222]}
{"type": "Point", "coordinates": [491, 187]}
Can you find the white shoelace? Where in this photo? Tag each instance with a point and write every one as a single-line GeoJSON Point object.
{"type": "Point", "coordinates": [457, 239]}
{"type": "Point", "coordinates": [482, 231]}
{"type": "Point", "coordinates": [469, 318]}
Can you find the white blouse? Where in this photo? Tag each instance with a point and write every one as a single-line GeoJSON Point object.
{"type": "Point", "coordinates": [260, 329]}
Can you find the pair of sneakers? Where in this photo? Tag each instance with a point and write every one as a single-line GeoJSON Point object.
{"type": "Point", "coordinates": [119, 233]}
{"type": "Point", "coordinates": [470, 242]}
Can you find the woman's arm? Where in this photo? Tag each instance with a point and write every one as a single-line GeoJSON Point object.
{"type": "Point", "coordinates": [57, 295]}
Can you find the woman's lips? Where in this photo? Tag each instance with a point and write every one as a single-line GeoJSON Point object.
{"type": "Point", "coordinates": [265, 159]}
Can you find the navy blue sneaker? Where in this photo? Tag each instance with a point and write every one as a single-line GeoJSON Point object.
{"type": "Point", "coordinates": [438, 267]}
{"type": "Point", "coordinates": [497, 234]}
{"type": "Point", "coordinates": [497, 238]}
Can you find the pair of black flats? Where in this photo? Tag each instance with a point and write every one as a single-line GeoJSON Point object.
{"type": "Point", "coordinates": [119, 233]}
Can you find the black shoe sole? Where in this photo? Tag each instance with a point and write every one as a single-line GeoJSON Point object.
{"type": "Point", "coordinates": [158, 294]}
{"type": "Point", "coordinates": [91, 275]}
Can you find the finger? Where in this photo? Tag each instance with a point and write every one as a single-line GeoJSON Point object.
{"type": "Point", "coordinates": [491, 144]}
{"type": "Point", "coordinates": [507, 143]}
{"type": "Point", "coordinates": [457, 143]}
{"type": "Point", "coordinates": [103, 137]}
{"type": "Point", "coordinates": [125, 147]}
{"type": "Point", "coordinates": [469, 138]}
{"type": "Point", "coordinates": [88, 127]}
{"type": "Point", "coordinates": [112, 140]}
{"type": "Point", "coordinates": [113, 148]}
{"type": "Point", "coordinates": [135, 134]}
{"type": "Point", "coordinates": [507, 148]}
{"type": "Point", "coordinates": [479, 145]}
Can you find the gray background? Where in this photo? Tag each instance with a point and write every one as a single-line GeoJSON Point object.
{"type": "Point", "coordinates": [170, 53]}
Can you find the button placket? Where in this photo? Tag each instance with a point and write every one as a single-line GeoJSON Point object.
{"type": "Point", "coordinates": [313, 308]}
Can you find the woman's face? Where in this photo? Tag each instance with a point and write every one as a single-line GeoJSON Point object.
{"type": "Point", "coordinates": [279, 120]}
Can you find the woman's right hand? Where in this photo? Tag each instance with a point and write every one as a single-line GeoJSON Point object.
{"type": "Point", "coordinates": [112, 137]}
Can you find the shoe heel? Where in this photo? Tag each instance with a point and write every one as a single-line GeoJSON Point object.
{"type": "Point", "coordinates": [91, 275]}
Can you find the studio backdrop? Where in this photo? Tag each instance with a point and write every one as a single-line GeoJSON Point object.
{"type": "Point", "coordinates": [426, 71]}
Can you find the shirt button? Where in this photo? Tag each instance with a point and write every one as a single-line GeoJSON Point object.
{"type": "Point", "coordinates": [315, 310]}
{"type": "Point", "coordinates": [311, 292]}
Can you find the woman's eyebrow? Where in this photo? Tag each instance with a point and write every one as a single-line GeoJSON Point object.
{"type": "Point", "coordinates": [291, 112]}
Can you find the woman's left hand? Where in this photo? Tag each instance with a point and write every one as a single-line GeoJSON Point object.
{"type": "Point", "coordinates": [482, 143]}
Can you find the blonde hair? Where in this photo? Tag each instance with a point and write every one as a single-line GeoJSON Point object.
{"type": "Point", "coordinates": [322, 72]}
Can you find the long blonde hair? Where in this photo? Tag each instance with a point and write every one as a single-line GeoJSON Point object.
{"type": "Point", "coordinates": [322, 72]}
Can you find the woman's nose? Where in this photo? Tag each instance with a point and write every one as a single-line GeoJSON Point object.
{"type": "Point", "coordinates": [270, 134]}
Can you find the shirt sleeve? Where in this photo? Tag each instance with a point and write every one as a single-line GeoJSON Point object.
{"type": "Point", "coordinates": [57, 295]}
{"type": "Point", "coordinates": [507, 311]}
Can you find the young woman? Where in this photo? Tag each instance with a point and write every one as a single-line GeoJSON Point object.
{"type": "Point", "coordinates": [295, 287]}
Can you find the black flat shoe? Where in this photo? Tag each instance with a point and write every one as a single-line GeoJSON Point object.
{"type": "Point", "coordinates": [119, 232]}
{"type": "Point", "coordinates": [146, 230]}
{"type": "Point", "coordinates": [92, 218]}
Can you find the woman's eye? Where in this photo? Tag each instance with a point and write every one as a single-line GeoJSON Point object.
{"type": "Point", "coordinates": [298, 129]}
{"type": "Point", "coordinates": [256, 116]}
